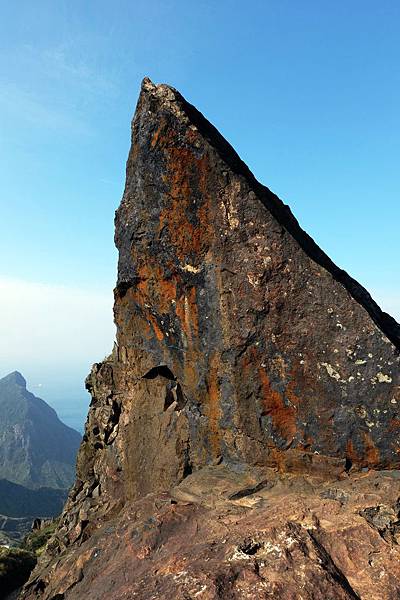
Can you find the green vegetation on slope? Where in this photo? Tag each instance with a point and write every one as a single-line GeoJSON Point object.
{"type": "Point", "coordinates": [37, 539]}
{"type": "Point", "coordinates": [15, 567]}
{"type": "Point", "coordinates": [16, 564]}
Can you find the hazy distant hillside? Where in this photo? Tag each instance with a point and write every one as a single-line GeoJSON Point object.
{"type": "Point", "coordinates": [19, 501]}
{"type": "Point", "coordinates": [36, 448]}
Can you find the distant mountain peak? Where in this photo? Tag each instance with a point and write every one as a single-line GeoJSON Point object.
{"type": "Point", "coordinates": [15, 377]}
{"type": "Point", "coordinates": [36, 448]}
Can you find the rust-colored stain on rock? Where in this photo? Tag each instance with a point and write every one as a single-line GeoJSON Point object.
{"type": "Point", "coordinates": [283, 416]}
{"type": "Point", "coordinates": [188, 238]}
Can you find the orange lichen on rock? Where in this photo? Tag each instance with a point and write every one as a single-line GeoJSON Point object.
{"type": "Point", "coordinates": [394, 425]}
{"type": "Point", "coordinates": [157, 331]}
{"type": "Point", "coordinates": [155, 287]}
{"type": "Point", "coordinates": [157, 133]}
{"type": "Point", "coordinates": [371, 451]}
{"type": "Point", "coordinates": [186, 237]}
{"type": "Point", "coordinates": [351, 453]}
{"type": "Point", "coordinates": [283, 417]}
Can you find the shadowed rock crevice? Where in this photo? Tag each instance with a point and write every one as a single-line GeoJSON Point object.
{"type": "Point", "coordinates": [348, 464]}
{"type": "Point", "coordinates": [250, 490]}
{"type": "Point", "coordinates": [249, 547]}
{"type": "Point", "coordinates": [330, 567]}
{"type": "Point", "coordinates": [160, 371]}
{"type": "Point", "coordinates": [174, 393]}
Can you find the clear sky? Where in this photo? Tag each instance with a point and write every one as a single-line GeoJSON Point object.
{"type": "Point", "coordinates": [307, 92]}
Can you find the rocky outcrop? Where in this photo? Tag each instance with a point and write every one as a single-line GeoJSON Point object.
{"type": "Point", "coordinates": [247, 366]}
{"type": "Point", "coordinates": [254, 534]}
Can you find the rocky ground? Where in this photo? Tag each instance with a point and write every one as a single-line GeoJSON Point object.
{"type": "Point", "coordinates": [256, 534]}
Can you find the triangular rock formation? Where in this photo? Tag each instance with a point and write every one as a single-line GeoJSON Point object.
{"type": "Point", "coordinates": [271, 346]}
{"type": "Point", "coordinates": [239, 342]}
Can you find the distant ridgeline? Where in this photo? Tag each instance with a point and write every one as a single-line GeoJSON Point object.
{"type": "Point", "coordinates": [19, 501]}
{"type": "Point", "coordinates": [37, 453]}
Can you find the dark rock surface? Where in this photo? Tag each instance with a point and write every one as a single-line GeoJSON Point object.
{"type": "Point", "coordinates": [242, 353]}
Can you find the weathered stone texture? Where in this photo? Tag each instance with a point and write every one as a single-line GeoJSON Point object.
{"type": "Point", "coordinates": [255, 534]}
{"type": "Point", "coordinates": [270, 350]}
{"type": "Point", "coordinates": [240, 344]}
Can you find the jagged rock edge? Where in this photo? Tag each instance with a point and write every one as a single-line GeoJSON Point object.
{"type": "Point", "coordinates": [282, 213]}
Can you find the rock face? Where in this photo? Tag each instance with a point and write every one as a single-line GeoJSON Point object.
{"type": "Point", "coordinates": [242, 352]}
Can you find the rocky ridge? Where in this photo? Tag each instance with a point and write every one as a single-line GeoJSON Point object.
{"type": "Point", "coordinates": [243, 436]}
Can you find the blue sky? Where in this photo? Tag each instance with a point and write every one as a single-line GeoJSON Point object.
{"type": "Point", "coordinates": [307, 92]}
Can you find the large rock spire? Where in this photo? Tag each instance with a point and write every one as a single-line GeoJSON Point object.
{"type": "Point", "coordinates": [240, 346]}
{"type": "Point", "coordinates": [271, 345]}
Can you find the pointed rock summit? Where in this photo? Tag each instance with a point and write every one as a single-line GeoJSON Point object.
{"type": "Point", "coordinates": [241, 347]}
{"type": "Point", "coordinates": [14, 378]}
{"type": "Point", "coordinates": [272, 347]}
